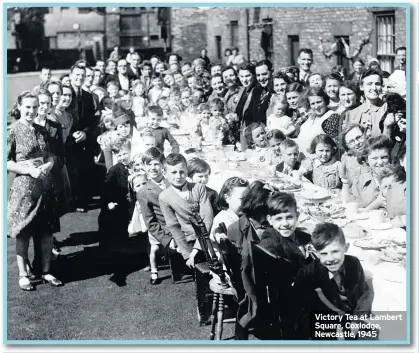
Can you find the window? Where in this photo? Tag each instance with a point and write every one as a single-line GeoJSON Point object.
{"type": "Point", "coordinates": [154, 37]}
{"type": "Point", "coordinates": [267, 42]}
{"type": "Point", "coordinates": [340, 53]}
{"type": "Point", "coordinates": [218, 47]}
{"type": "Point", "coordinates": [136, 42]}
{"type": "Point", "coordinates": [293, 48]}
{"type": "Point", "coordinates": [234, 34]}
{"type": "Point", "coordinates": [385, 39]}
{"type": "Point", "coordinates": [84, 10]}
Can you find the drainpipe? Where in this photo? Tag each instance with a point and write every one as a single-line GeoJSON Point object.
{"type": "Point", "coordinates": [247, 35]}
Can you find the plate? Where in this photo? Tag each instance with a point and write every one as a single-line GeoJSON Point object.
{"type": "Point", "coordinates": [316, 195]}
{"type": "Point", "coordinates": [207, 143]}
{"type": "Point", "coordinates": [388, 259]}
{"type": "Point", "coordinates": [358, 216]}
{"type": "Point", "coordinates": [371, 243]}
{"type": "Point", "coordinates": [376, 226]}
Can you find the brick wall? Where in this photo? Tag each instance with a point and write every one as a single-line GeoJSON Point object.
{"type": "Point", "coordinates": [189, 31]}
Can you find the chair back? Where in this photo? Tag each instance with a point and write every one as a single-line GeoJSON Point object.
{"type": "Point", "coordinates": [230, 258]}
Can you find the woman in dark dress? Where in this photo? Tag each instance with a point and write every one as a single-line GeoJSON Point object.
{"type": "Point", "coordinates": [32, 205]}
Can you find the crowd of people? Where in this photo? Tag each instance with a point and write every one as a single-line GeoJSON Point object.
{"type": "Point", "coordinates": [340, 131]}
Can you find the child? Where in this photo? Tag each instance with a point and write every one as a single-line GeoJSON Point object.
{"type": "Point", "coordinates": [100, 93]}
{"type": "Point", "coordinates": [279, 120]}
{"type": "Point", "coordinates": [105, 139]}
{"type": "Point", "coordinates": [209, 126]}
{"type": "Point", "coordinates": [284, 240]}
{"type": "Point", "coordinates": [332, 284]}
{"type": "Point", "coordinates": [124, 102]}
{"type": "Point", "coordinates": [199, 172]}
{"type": "Point", "coordinates": [136, 182]}
{"type": "Point", "coordinates": [229, 201]}
{"type": "Point", "coordinates": [114, 216]}
{"type": "Point", "coordinates": [154, 117]}
{"type": "Point", "coordinates": [158, 234]}
{"type": "Point", "coordinates": [331, 87]}
{"type": "Point", "coordinates": [112, 88]}
{"type": "Point", "coordinates": [289, 154]}
{"type": "Point", "coordinates": [170, 115]}
{"type": "Point", "coordinates": [216, 107]}
{"type": "Point", "coordinates": [179, 202]}
{"type": "Point", "coordinates": [121, 133]}
{"type": "Point", "coordinates": [258, 150]}
{"type": "Point", "coordinates": [275, 138]}
{"type": "Point", "coordinates": [139, 100]}
{"type": "Point", "coordinates": [326, 171]}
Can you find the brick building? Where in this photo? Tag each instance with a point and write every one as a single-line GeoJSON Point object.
{"type": "Point", "coordinates": [291, 28]}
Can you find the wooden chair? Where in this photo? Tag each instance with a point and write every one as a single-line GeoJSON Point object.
{"type": "Point", "coordinates": [273, 290]}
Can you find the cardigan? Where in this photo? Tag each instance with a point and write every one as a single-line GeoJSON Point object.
{"type": "Point", "coordinates": [177, 211]}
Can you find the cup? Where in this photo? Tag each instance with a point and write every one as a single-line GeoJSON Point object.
{"type": "Point", "coordinates": [378, 216]}
{"type": "Point", "coordinates": [352, 208]}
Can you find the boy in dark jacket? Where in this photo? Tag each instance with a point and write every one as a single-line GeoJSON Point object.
{"type": "Point", "coordinates": [332, 284]}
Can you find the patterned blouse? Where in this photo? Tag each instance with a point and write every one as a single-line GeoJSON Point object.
{"type": "Point", "coordinates": [326, 175]}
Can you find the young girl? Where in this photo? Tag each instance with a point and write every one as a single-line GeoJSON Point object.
{"type": "Point", "coordinates": [136, 181]}
{"type": "Point", "coordinates": [279, 120]}
{"type": "Point", "coordinates": [204, 126]}
{"type": "Point", "coordinates": [229, 201]}
{"type": "Point", "coordinates": [259, 151]}
{"type": "Point", "coordinates": [331, 86]}
{"type": "Point", "coordinates": [170, 115]}
{"type": "Point", "coordinates": [275, 138]}
{"type": "Point", "coordinates": [112, 89]}
{"type": "Point", "coordinates": [326, 171]}
{"type": "Point", "coordinates": [139, 100]}
{"type": "Point", "coordinates": [105, 139]}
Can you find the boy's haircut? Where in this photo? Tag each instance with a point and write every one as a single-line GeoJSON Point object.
{"type": "Point", "coordinates": [306, 51]}
{"type": "Point", "coordinates": [152, 154]}
{"type": "Point", "coordinates": [288, 143]}
{"type": "Point", "coordinates": [153, 109]}
{"type": "Point", "coordinates": [276, 134]}
{"type": "Point", "coordinates": [281, 202]}
{"type": "Point", "coordinates": [146, 63]}
{"type": "Point", "coordinates": [246, 66]}
{"type": "Point", "coordinates": [400, 48]}
{"type": "Point", "coordinates": [217, 103]}
{"type": "Point", "coordinates": [226, 189]}
{"type": "Point", "coordinates": [64, 76]}
{"type": "Point", "coordinates": [112, 83]}
{"type": "Point", "coordinates": [197, 165]}
{"type": "Point", "coordinates": [248, 132]}
{"type": "Point", "coordinates": [266, 63]}
{"type": "Point", "coordinates": [175, 158]}
{"type": "Point", "coordinates": [371, 72]}
{"type": "Point", "coordinates": [45, 68]}
{"type": "Point", "coordinates": [324, 139]}
{"type": "Point", "coordinates": [254, 201]}
{"type": "Point", "coordinates": [325, 234]}
{"type": "Point", "coordinates": [203, 107]}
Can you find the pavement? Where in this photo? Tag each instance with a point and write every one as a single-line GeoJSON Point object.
{"type": "Point", "coordinates": [102, 299]}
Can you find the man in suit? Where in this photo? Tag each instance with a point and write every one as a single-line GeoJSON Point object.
{"type": "Point", "coordinates": [121, 77]}
{"type": "Point", "coordinates": [133, 69]}
{"type": "Point", "coordinates": [264, 71]}
{"type": "Point", "coordinates": [252, 101]}
{"type": "Point", "coordinates": [305, 60]}
{"type": "Point", "coordinates": [81, 140]}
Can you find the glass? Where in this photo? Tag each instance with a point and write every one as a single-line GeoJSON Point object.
{"type": "Point", "coordinates": [355, 140]}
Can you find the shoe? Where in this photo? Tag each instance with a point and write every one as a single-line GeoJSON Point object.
{"type": "Point", "coordinates": [154, 278]}
{"type": "Point", "coordinates": [51, 280]}
{"type": "Point", "coordinates": [25, 284]}
{"type": "Point", "coordinates": [81, 210]}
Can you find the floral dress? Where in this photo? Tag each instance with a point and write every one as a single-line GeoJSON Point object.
{"type": "Point", "coordinates": [31, 202]}
{"type": "Point", "coordinates": [326, 175]}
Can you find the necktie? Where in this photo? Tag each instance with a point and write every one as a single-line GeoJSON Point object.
{"type": "Point", "coordinates": [79, 104]}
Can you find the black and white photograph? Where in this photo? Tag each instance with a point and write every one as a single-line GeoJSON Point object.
{"type": "Point", "coordinates": [207, 173]}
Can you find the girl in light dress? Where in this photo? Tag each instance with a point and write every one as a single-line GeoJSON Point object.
{"type": "Point", "coordinates": [139, 100]}
{"type": "Point", "coordinates": [322, 166]}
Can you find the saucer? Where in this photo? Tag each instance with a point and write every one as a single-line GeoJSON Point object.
{"type": "Point", "coordinates": [370, 224]}
{"type": "Point", "coordinates": [358, 216]}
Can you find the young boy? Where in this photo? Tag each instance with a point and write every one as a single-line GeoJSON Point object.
{"type": "Point", "coordinates": [114, 217]}
{"type": "Point", "coordinates": [290, 154]}
{"type": "Point", "coordinates": [112, 88]}
{"type": "Point", "coordinates": [332, 284]}
{"type": "Point", "coordinates": [158, 234]}
{"type": "Point", "coordinates": [199, 172]}
{"type": "Point", "coordinates": [154, 117]}
{"type": "Point", "coordinates": [178, 203]}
